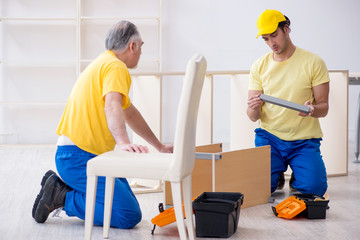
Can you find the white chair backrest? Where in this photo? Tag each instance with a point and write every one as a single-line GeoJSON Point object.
{"type": "Point", "coordinates": [185, 133]}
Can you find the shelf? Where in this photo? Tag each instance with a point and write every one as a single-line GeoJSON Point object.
{"type": "Point", "coordinates": [119, 18]}
{"type": "Point", "coordinates": [35, 19]}
{"type": "Point", "coordinates": [44, 63]}
{"type": "Point", "coordinates": [32, 103]}
{"type": "Point", "coordinates": [6, 134]}
{"type": "Point", "coordinates": [75, 19]}
{"type": "Point", "coordinates": [45, 47]}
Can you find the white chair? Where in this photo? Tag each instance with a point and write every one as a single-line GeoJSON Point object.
{"type": "Point", "coordinates": [174, 167]}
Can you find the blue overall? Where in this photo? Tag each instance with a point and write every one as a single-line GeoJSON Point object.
{"type": "Point", "coordinates": [71, 165]}
{"type": "Point", "coordinates": [304, 158]}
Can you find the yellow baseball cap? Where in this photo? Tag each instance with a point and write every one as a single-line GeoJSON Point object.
{"type": "Point", "coordinates": [268, 21]}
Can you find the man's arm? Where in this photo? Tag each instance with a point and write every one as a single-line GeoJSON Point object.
{"type": "Point", "coordinates": [116, 118]}
{"type": "Point", "coordinates": [321, 96]}
{"type": "Point", "coordinates": [254, 105]}
{"type": "Point", "coordinates": [116, 123]}
{"type": "Point", "coordinates": [137, 123]}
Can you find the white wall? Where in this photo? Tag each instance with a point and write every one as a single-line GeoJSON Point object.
{"type": "Point", "coordinates": [225, 31]}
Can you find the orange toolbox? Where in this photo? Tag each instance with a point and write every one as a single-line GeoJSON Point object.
{"type": "Point", "coordinates": [289, 208]}
{"type": "Point", "coordinates": [165, 217]}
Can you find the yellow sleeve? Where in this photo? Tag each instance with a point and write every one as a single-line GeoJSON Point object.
{"type": "Point", "coordinates": [254, 78]}
{"type": "Point", "coordinates": [320, 72]}
{"type": "Point", "coordinates": [118, 80]}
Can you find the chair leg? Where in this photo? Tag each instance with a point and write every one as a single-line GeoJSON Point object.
{"type": "Point", "coordinates": [90, 205]}
{"type": "Point", "coordinates": [188, 206]}
{"type": "Point", "coordinates": [179, 214]}
{"type": "Point", "coordinates": [109, 194]}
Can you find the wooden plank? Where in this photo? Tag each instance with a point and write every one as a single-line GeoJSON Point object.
{"type": "Point", "coordinates": [211, 148]}
{"type": "Point", "coordinates": [201, 173]}
{"type": "Point", "coordinates": [247, 171]}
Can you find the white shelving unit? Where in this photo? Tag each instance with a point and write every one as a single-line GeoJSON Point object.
{"type": "Point", "coordinates": [44, 46]}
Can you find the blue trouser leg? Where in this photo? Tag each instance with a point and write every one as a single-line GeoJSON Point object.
{"type": "Point", "coordinates": [278, 166]}
{"type": "Point", "coordinates": [308, 167]}
{"type": "Point", "coordinates": [304, 158]}
{"type": "Point", "coordinates": [71, 164]}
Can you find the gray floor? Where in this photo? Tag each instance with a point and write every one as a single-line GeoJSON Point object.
{"type": "Point", "coordinates": [22, 167]}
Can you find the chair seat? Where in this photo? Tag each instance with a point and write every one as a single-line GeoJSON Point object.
{"type": "Point", "coordinates": [125, 164]}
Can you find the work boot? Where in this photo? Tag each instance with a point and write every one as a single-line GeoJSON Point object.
{"type": "Point", "coordinates": [292, 179]}
{"type": "Point", "coordinates": [281, 181]}
{"type": "Point", "coordinates": [55, 191]}
{"type": "Point", "coordinates": [39, 196]}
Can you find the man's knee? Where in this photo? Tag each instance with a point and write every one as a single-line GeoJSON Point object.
{"type": "Point", "coordinates": [126, 219]}
{"type": "Point", "coordinates": [313, 187]}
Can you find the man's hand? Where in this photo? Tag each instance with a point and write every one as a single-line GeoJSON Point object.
{"type": "Point", "coordinates": [320, 107]}
{"type": "Point", "coordinates": [254, 102]}
{"type": "Point", "coordinates": [307, 103]}
{"type": "Point", "coordinates": [134, 148]}
{"type": "Point", "coordinates": [166, 148]}
{"type": "Point", "coordinates": [254, 105]}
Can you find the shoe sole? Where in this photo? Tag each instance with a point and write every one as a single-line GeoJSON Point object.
{"type": "Point", "coordinates": [39, 196]}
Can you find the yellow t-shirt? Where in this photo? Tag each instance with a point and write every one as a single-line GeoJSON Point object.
{"type": "Point", "coordinates": [291, 80]}
{"type": "Point", "coordinates": [84, 120]}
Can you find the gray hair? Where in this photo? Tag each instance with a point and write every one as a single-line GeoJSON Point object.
{"type": "Point", "coordinates": [120, 35]}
